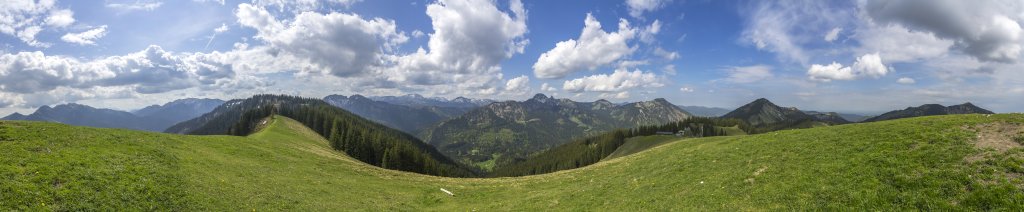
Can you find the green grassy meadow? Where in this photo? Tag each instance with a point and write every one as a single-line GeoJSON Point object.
{"type": "Point", "coordinates": [961, 162]}
{"type": "Point", "coordinates": [639, 144]}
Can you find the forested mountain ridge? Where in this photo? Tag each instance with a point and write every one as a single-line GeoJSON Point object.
{"type": "Point", "coordinates": [502, 132]}
{"type": "Point", "coordinates": [358, 137]}
{"type": "Point", "coordinates": [830, 117]}
{"type": "Point", "coordinates": [762, 112]}
{"type": "Point", "coordinates": [929, 110]}
{"type": "Point", "coordinates": [410, 119]}
{"type": "Point", "coordinates": [762, 116]}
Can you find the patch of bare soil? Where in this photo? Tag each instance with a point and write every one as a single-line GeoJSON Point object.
{"type": "Point", "coordinates": [997, 135]}
{"type": "Point", "coordinates": [756, 173]}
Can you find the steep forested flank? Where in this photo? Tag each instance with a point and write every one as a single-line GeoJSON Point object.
{"type": "Point", "coordinates": [590, 150]}
{"type": "Point", "coordinates": [361, 139]}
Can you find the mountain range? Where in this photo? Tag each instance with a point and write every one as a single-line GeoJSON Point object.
{"type": "Point", "coordinates": [705, 111]}
{"type": "Point", "coordinates": [411, 113]}
{"type": "Point", "coordinates": [416, 100]}
{"type": "Point", "coordinates": [502, 132]}
{"type": "Point", "coordinates": [929, 110]}
{"type": "Point", "coordinates": [152, 118]}
{"type": "Point", "coordinates": [482, 130]}
{"type": "Point", "coordinates": [178, 110]}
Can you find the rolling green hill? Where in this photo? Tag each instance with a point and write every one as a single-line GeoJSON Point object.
{"type": "Point", "coordinates": [640, 144]}
{"type": "Point", "coordinates": [965, 162]}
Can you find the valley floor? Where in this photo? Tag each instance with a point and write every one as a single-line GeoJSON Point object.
{"type": "Point", "coordinates": [931, 163]}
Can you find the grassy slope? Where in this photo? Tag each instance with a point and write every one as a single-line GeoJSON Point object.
{"type": "Point", "coordinates": [909, 163]}
{"type": "Point", "coordinates": [733, 130]}
{"type": "Point", "coordinates": [639, 144]}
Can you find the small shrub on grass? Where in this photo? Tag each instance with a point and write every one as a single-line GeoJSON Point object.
{"type": "Point", "coordinates": [1019, 139]}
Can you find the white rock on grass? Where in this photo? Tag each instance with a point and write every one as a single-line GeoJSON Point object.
{"type": "Point", "coordinates": [447, 192]}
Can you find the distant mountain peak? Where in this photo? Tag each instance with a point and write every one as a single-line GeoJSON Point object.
{"type": "Point", "coordinates": [539, 96]}
{"type": "Point", "coordinates": [602, 104]}
{"type": "Point", "coordinates": [762, 112]}
{"type": "Point", "coordinates": [760, 102]}
{"type": "Point", "coordinates": [14, 116]}
{"type": "Point", "coordinates": [462, 99]}
{"type": "Point", "coordinates": [71, 105]}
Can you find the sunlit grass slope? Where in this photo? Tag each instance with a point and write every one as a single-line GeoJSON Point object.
{"type": "Point", "coordinates": [639, 144]}
{"type": "Point", "coordinates": [919, 163]}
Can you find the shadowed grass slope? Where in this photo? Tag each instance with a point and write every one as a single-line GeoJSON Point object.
{"type": "Point", "coordinates": [916, 163]}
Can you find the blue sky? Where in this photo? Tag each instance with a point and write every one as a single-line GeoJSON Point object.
{"type": "Point", "coordinates": [848, 56]}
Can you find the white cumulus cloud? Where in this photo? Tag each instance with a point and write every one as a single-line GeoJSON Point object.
{"type": "Point", "coordinates": [152, 70]}
{"type": "Point", "coordinates": [868, 65]}
{"type": "Point", "coordinates": [521, 83]}
{"type": "Point", "coordinates": [906, 80]}
{"type": "Point", "coordinates": [547, 87]}
{"type": "Point", "coordinates": [470, 39]}
{"type": "Point", "coordinates": [337, 43]}
{"type": "Point", "coordinates": [593, 49]}
{"type": "Point", "coordinates": [24, 19]}
{"type": "Point", "coordinates": [620, 80]}
{"type": "Point", "coordinates": [87, 37]}
{"type": "Point", "coordinates": [60, 18]}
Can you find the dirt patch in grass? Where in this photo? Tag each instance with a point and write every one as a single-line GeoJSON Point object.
{"type": "Point", "coordinates": [1000, 136]}
{"type": "Point", "coordinates": [756, 173]}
